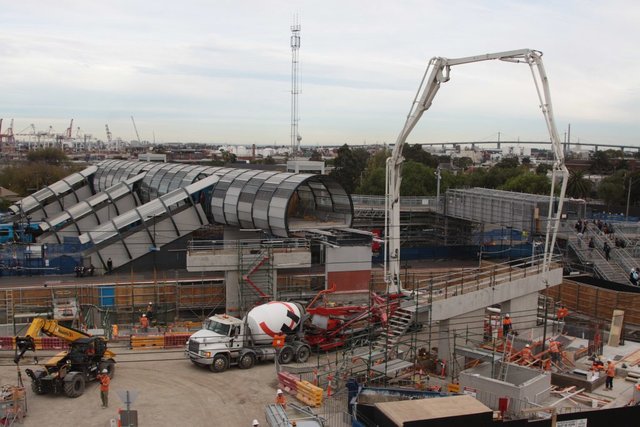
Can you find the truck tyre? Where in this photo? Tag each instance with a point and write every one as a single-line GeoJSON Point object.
{"type": "Point", "coordinates": [286, 355]}
{"type": "Point", "coordinates": [110, 366]}
{"type": "Point", "coordinates": [247, 361]}
{"type": "Point", "coordinates": [303, 353]}
{"type": "Point", "coordinates": [36, 388]}
{"type": "Point", "coordinates": [220, 363]}
{"type": "Point", "coordinates": [74, 384]}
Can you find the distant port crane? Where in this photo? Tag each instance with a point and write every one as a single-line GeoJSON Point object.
{"type": "Point", "coordinates": [136, 129]}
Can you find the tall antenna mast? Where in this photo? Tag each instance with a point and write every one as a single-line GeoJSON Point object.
{"type": "Point", "coordinates": [295, 47]}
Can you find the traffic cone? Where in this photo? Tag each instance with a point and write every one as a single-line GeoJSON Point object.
{"type": "Point", "coordinates": [329, 381]}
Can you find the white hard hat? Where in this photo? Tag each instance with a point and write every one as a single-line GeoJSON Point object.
{"type": "Point", "coordinates": [144, 315]}
{"type": "Point", "coordinates": [609, 361]}
{"type": "Point", "coordinates": [104, 371]}
{"type": "Point", "coordinates": [506, 315]}
{"type": "Point", "coordinates": [255, 423]}
{"type": "Point", "coordinates": [527, 345]}
{"type": "Point", "coordinates": [150, 303]}
{"type": "Point", "coordinates": [279, 391]}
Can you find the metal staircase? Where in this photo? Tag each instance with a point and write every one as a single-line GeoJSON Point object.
{"type": "Point", "coordinates": [397, 325]}
{"type": "Point", "coordinates": [256, 273]}
{"type": "Point", "coordinates": [608, 270]}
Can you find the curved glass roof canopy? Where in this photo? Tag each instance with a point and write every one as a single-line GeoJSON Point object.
{"type": "Point", "coordinates": [279, 203]}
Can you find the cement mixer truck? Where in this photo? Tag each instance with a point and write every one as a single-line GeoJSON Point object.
{"type": "Point", "coordinates": [225, 340]}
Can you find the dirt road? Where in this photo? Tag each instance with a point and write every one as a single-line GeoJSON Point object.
{"type": "Point", "coordinates": [171, 391]}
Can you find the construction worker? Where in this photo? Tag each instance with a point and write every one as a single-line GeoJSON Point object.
{"type": "Point", "coordinates": [255, 423]}
{"type": "Point", "coordinates": [506, 325]}
{"type": "Point", "coordinates": [281, 399]}
{"type": "Point", "coordinates": [104, 379]}
{"type": "Point", "coordinates": [554, 350]}
{"type": "Point", "coordinates": [526, 354]}
{"type": "Point", "coordinates": [149, 311]}
{"type": "Point", "coordinates": [611, 373]}
{"type": "Point", "coordinates": [144, 323]}
{"type": "Point", "coordinates": [560, 315]}
{"type": "Point", "coordinates": [597, 364]}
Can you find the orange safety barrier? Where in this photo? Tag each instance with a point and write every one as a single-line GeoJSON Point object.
{"type": "Point", "coordinates": [38, 343]}
{"type": "Point", "coordinates": [288, 381]}
{"type": "Point", "coordinates": [53, 343]}
{"type": "Point", "coordinates": [175, 340]}
{"type": "Point", "coordinates": [146, 341]}
{"type": "Point", "coordinates": [7, 343]}
{"type": "Point", "coordinates": [49, 343]}
{"type": "Point", "coordinates": [309, 394]}
{"type": "Point", "coordinates": [41, 343]}
{"type": "Point", "coordinates": [192, 325]}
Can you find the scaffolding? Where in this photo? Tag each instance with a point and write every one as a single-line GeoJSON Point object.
{"type": "Point", "coordinates": [519, 211]}
{"type": "Point", "coordinates": [104, 304]}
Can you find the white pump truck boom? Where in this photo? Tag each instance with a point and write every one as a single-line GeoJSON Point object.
{"type": "Point", "coordinates": [438, 72]}
{"type": "Point", "coordinates": [226, 340]}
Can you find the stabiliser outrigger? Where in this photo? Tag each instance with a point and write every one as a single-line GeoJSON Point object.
{"type": "Point", "coordinates": [68, 371]}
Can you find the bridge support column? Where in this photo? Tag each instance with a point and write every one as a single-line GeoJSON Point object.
{"type": "Point", "coordinates": [232, 293]}
{"type": "Point", "coordinates": [523, 311]}
{"type": "Point", "coordinates": [445, 340]}
{"type": "Point", "coordinates": [459, 331]}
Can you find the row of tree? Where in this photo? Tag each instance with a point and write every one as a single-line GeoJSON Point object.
{"type": "Point", "coordinates": [360, 172]}
{"type": "Point", "coordinates": [43, 167]}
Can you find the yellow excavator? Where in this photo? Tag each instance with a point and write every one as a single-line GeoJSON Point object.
{"type": "Point", "coordinates": [68, 371]}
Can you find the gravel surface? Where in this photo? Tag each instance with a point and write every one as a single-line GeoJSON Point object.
{"type": "Point", "coordinates": [171, 391]}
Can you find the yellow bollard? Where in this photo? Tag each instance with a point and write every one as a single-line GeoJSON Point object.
{"type": "Point", "coordinates": [114, 331]}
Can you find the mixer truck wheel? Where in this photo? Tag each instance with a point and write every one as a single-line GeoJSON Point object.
{"type": "Point", "coordinates": [286, 355]}
{"type": "Point", "coordinates": [303, 353]}
{"type": "Point", "coordinates": [247, 361]}
{"type": "Point", "coordinates": [220, 363]}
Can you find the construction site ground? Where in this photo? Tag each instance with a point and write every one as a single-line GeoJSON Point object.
{"type": "Point", "coordinates": [169, 391]}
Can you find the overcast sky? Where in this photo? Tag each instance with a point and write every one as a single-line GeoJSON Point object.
{"type": "Point", "coordinates": [220, 71]}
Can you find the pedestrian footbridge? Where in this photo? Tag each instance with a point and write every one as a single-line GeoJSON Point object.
{"type": "Point", "coordinates": [460, 293]}
{"type": "Point", "coordinates": [457, 301]}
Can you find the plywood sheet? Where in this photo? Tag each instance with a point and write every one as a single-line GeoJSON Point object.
{"type": "Point", "coordinates": [616, 328]}
{"type": "Point", "coordinates": [429, 409]}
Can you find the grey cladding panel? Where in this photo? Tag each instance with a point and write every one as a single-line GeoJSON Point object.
{"type": "Point", "coordinates": [231, 207]}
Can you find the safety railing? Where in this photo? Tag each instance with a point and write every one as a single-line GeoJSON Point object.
{"type": "Point", "coordinates": [255, 244]}
{"type": "Point", "coordinates": [405, 202]}
{"type": "Point", "coordinates": [459, 283]}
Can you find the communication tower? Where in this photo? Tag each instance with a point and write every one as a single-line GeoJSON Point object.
{"type": "Point", "coordinates": [295, 47]}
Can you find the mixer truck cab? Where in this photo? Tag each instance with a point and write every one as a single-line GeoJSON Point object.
{"type": "Point", "coordinates": [226, 340]}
